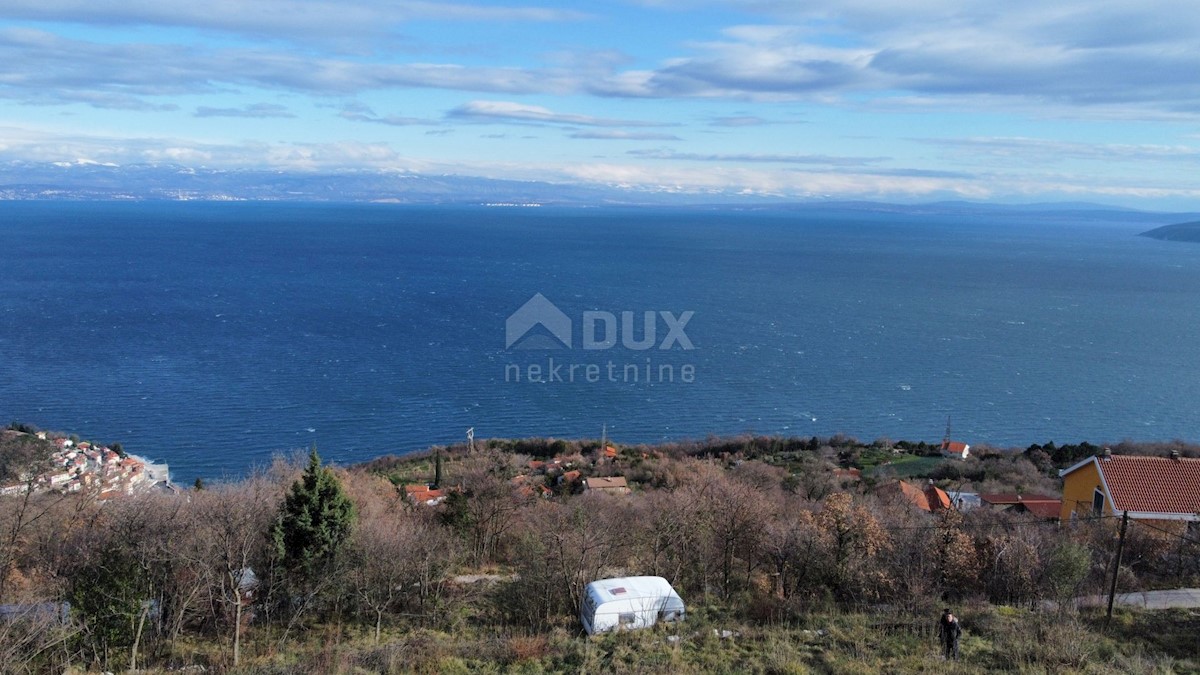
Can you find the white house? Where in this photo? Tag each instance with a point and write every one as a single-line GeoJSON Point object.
{"type": "Point", "coordinates": [955, 449]}
{"type": "Point", "coordinates": [628, 603]}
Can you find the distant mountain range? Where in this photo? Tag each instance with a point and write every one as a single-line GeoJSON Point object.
{"type": "Point", "coordinates": [1177, 232]}
{"type": "Point", "coordinates": [85, 180]}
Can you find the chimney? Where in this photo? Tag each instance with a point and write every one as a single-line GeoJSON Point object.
{"type": "Point", "coordinates": [1175, 455]}
{"type": "Point", "coordinates": [1107, 454]}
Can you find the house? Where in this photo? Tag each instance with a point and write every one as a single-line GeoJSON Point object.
{"type": "Point", "coordinates": [1042, 510]}
{"type": "Point", "coordinates": [421, 494]}
{"type": "Point", "coordinates": [1148, 488]}
{"type": "Point", "coordinates": [964, 501]}
{"type": "Point", "coordinates": [930, 499]}
{"type": "Point", "coordinates": [615, 485]}
{"type": "Point", "coordinates": [610, 452]}
{"type": "Point", "coordinates": [529, 486]}
{"type": "Point", "coordinates": [17, 489]}
{"type": "Point", "coordinates": [569, 477]}
{"type": "Point", "coordinates": [1007, 501]}
{"type": "Point", "coordinates": [955, 449]}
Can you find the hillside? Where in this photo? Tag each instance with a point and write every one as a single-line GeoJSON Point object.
{"type": "Point", "coordinates": [20, 451]}
{"type": "Point", "coordinates": [789, 562]}
{"type": "Point", "coordinates": [1178, 232]}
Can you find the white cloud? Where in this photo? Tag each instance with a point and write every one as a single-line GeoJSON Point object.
{"type": "Point", "coordinates": [356, 112]}
{"type": "Point", "coordinates": [253, 110]}
{"type": "Point", "coordinates": [1038, 151]}
{"type": "Point", "coordinates": [1072, 54]}
{"type": "Point", "coordinates": [620, 135]}
{"type": "Point", "coordinates": [507, 111]}
{"type": "Point", "coordinates": [752, 158]}
{"type": "Point", "coordinates": [294, 19]}
{"type": "Point", "coordinates": [45, 68]}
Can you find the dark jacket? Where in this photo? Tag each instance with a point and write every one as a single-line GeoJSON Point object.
{"type": "Point", "coordinates": [949, 629]}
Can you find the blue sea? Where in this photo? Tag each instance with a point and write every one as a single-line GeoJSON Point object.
{"type": "Point", "coordinates": [212, 336]}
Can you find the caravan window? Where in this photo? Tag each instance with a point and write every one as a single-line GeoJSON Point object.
{"type": "Point", "coordinates": [627, 618]}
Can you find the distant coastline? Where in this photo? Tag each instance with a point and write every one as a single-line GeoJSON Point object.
{"type": "Point", "coordinates": [1189, 232]}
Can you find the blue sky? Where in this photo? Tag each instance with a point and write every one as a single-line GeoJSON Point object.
{"type": "Point", "coordinates": [1024, 101]}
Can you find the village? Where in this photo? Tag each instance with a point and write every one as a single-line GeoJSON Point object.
{"type": "Point", "coordinates": [1163, 490]}
{"type": "Point", "coordinates": [722, 554]}
{"type": "Point", "coordinates": [86, 468]}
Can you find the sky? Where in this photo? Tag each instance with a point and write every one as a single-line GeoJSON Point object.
{"type": "Point", "coordinates": [922, 100]}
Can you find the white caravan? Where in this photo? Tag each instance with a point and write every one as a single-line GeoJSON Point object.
{"type": "Point", "coordinates": [627, 603]}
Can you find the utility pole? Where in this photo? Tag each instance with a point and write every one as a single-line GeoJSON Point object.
{"type": "Point", "coordinates": [1112, 590]}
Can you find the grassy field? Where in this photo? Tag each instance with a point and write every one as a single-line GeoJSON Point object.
{"type": "Point", "coordinates": [996, 639]}
{"type": "Point", "coordinates": [903, 466]}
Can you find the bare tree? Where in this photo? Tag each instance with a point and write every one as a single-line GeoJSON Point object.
{"type": "Point", "coordinates": [233, 522]}
{"type": "Point", "coordinates": [581, 538]}
{"type": "Point", "coordinates": [482, 509]}
{"type": "Point", "coordinates": [794, 547]}
{"type": "Point", "coordinates": [659, 524]}
{"type": "Point", "coordinates": [399, 563]}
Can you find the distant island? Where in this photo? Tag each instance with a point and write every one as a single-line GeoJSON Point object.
{"type": "Point", "coordinates": [1177, 232]}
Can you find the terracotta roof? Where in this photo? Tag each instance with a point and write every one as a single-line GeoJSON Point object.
{"type": "Point", "coordinates": [852, 473]}
{"type": "Point", "coordinates": [1049, 509]}
{"type": "Point", "coordinates": [956, 447]}
{"type": "Point", "coordinates": [612, 483]}
{"type": "Point", "coordinates": [937, 498]}
{"type": "Point", "coordinates": [610, 452]}
{"type": "Point", "coordinates": [930, 499]}
{"type": "Point", "coordinates": [1008, 498]}
{"type": "Point", "coordinates": [421, 494]}
{"type": "Point", "coordinates": [1152, 484]}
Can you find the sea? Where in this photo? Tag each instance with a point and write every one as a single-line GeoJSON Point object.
{"type": "Point", "coordinates": [215, 336]}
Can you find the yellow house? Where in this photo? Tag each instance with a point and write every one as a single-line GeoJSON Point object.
{"type": "Point", "coordinates": [1149, 488]}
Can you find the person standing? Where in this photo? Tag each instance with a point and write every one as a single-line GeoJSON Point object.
{"type": "Point", "coordinates": [949, 631]}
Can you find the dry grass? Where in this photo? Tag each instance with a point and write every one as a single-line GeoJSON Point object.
{"type": "Point", "coordinates": [997, 639]}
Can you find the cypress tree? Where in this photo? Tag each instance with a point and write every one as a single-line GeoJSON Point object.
{"type": "Point", "coordinates": [314, 522]}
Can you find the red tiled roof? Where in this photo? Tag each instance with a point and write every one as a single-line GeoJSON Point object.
{"type": "Point", "coordinates": [937, 498]}
{"type": "Point", "coordinates": [1152, 484]}
{"type": "Point", "coordinates": [956, 447]}
{"type": "Point", "coordinates": [1049, 509]}
{"type": "Point", "coordinates": [930, 499]}
{"type": "Point", "coordinates": [610, 452]}
{"type": "Point", "coordinates": [421, 494]}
